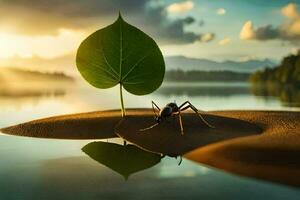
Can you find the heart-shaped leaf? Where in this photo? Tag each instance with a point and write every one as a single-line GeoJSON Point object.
{"type": "Point", "coordinates": [121, 54]}
{"type": "Point", "coordinates": [124, 160]}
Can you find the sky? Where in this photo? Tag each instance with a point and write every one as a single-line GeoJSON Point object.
{"type": "Point", "coordinates": [44, 32]}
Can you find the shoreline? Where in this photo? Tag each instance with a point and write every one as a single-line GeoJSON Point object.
{"type": "Point", "coordinates": [273, 155]}
{"type": "Point", "coordinates": [259, 144]}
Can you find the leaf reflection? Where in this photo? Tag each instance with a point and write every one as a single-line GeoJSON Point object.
{"type": "Point", "coordinates": [124, 160]}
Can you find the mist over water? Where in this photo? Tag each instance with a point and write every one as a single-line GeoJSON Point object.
{"type": "Point", "coordinates": [33, 101]}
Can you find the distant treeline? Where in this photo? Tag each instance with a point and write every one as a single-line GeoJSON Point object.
{"type": "Point", "coordinates": [203, 76]}
{"type": "Point", "coordinates": [18, 74]}
{"type": "Point", "coordinates": [287, 73]}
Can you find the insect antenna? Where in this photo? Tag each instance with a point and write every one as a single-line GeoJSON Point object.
{"type": "Point", "coordinates": [144, 129]}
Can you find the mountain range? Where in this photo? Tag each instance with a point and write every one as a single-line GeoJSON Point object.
{"type": "Point", "coordinates": [67, 64]}
{"type": "Point", "coordinates": [186, 64]}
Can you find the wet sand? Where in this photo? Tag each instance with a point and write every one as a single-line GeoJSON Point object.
{"type": "Point", "coordinates": [274, 155]}
{"type": "Point", "coordinates": [92, 125]}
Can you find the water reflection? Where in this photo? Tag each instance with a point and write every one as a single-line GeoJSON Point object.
{"type": "Point", "coordinates": [204, 89]}
{"type": "Point", "coordinates": [79, 98]}
{"type": "Point", "coordinates": [124, 160]}
{"type": "Point", "coordinates": [288, 95]}
{"type": "Point", "coordinates": [31, 93]}
{"type": "Point", "coordinates": [30, 90]}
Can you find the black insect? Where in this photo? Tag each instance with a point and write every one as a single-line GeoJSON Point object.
{"type": "Point", "coordinates": [172, 109]}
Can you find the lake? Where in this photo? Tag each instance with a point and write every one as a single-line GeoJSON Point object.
{"type": "Point", "coordinates": [33, 168]}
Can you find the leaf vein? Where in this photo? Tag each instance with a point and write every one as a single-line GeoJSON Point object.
{"type": "Point", "coordinates": [101, 69]}
{"type": "Point", "coordinates": [135, 65]}
{"type": "Point", "coordinates": [137, 76]}
{"type": "Point", "coordinates": [107, 63]}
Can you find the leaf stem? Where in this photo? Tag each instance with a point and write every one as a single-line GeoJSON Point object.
{"type": "Point", "coordinates": [122, 102]}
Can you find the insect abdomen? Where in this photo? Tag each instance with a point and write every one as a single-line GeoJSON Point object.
{"type": "Point", "coordinates": [166, 111]}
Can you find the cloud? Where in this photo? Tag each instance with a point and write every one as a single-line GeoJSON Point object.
{"type": "Point", "coordinates": [167, 31]}
{"type": "Point", "coordinates": [62, 63]}
{"type": "Point", "coordinates": [44, 46]}
{"type": "Point", "coordinates": [289, 30]}
{"type": "Point", "coordinates": [180, 7]}
{"type": "Point", "coordinates": [267, 32]}
{"type": "Point", "coordinates": [224, 41]}
{"type": "Point", "coordinates": [189, 20]}
{"type": "Point", "coordinates": [221, 11]}
{"type": "Point", "coordinates": [43, 17]}
{"type": "Point", "coordinates": [290, 11]}
{"type": "Point", "coordinates": [207, 37]}
{"type": "Point", "coordinates": [247, 32]}
{"type": "Point", "coordinates": [39, 17]}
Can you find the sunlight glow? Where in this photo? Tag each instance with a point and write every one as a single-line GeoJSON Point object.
{"type": "Point", "coordinates": [44, 46]}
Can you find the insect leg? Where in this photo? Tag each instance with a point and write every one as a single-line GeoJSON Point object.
{"type": "Point", "coordinates": [189, 103]}
{"type": "Point", "coordinates": [186, 102]}
{"type": "Point", "coordinates": [180, 122]}
{"type": "Point", "coordinates": [180, 160]}
{"type": "Point", "coordinates": [150, 127]}
{"type": "Point", "coordinates": [154, 104]}
{"type": "Point", "coordinates": [184, 108]}
{"type": "Point", "coordinates": [196, 111]}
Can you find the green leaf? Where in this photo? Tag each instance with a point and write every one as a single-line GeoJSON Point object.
{"type": "Point", "coordinates": [121, 54]}
{"type": "Point", "coordinates": [124, 160]}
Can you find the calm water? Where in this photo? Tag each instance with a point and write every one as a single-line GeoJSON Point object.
{"type": "Point", "coordinates": [32, 168]}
